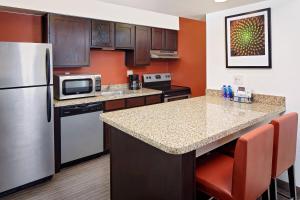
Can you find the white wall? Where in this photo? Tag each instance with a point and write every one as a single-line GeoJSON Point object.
{"type": "Point", "coordinates": [97, 10]}
{"type": "Point", "coordinates": [284, 78]}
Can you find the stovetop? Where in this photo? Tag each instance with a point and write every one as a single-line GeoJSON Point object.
{"type": "Point", "coordinates": [162, 81]}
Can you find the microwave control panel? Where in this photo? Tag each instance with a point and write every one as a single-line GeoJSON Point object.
{"type": "Point", "coordinates": [98, 83]}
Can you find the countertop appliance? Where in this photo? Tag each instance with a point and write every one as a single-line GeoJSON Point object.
{"type": "Point", "coordinates": [70, 86]}
{"type": "Point", "coordinates": [26, 114]}
{"type": "Point", "coordinates": [81, 131]}
{"type": "Point", "coordinates": [162, 81]}
{"type": "Point", "coordinates": [134, 82]}
{"type": "Point", "coordinates": [243, 95]}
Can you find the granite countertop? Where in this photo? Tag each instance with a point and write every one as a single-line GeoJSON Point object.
{"type": "Point", "coordinates": [182, 126]}
{"type": "Point", "coordinates": [126, 93]}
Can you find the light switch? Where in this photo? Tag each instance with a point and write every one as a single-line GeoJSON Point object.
{"type": "Point", "coordinates": [238, 80]}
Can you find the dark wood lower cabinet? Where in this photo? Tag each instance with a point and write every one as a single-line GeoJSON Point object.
{"type": "Point", "coordinates": [111, 106]}
{"type": "Point", "coordinates": [154, 99]}
{"type": "Point", "coordinates": [135, 102]}
{"type": "Point", "coordinates": [140, 171]}
{"type": "Point", "coordinates": [114, 105]}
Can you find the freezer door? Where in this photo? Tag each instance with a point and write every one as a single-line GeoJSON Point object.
{"type": "Point", "coordinates": [26, 136]}
{"type": "Point", "coordinates": [25, 64]}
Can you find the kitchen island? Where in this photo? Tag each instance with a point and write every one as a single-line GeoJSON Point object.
{"type": "Point", "coordinates": [154, 148]}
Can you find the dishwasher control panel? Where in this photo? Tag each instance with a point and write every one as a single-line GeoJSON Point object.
{"type": "Point", "coordinates": [80, 109]}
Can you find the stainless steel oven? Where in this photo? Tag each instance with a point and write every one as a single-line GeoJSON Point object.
{"type": "Point", "coordinates": [162, 81]}
{"type": "Point", "coordinates": [70, 86]}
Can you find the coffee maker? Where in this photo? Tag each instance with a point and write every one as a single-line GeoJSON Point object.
{"type": "Point", "coordinates": [134, 82]}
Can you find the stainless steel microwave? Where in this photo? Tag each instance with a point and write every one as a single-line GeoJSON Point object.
{"type": "Point", "coordinates": [71, 86]}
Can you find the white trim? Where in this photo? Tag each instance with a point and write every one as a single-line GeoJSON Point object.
{"type": "Point", "coordinates": [97, 10]}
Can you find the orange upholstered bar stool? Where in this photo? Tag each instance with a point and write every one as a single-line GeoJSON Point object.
{"type": "Point", "coordinates": [284, 151]}
{"type": "Point", "coordinates": [247, 176]}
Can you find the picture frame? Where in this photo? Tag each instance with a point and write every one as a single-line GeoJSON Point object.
{"type": "Point", "coordinates": [248, 40]}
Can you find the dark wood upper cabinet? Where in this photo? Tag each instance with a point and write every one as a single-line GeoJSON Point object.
{"type": "Point", "coordinates": [103, 34]}
{"type": "Point", "coordinates": [70, 38]}
{"type": "Point", "coordinates": [164, 39]}
{"type": "Point", "coordinates": [171, 40]}
{"type": "Point", "coordinates": [124, 36]}
{"type": "Point", "coordinates": [141, 54]}
{"type": "Point", "coordinates": [142, 45]}
{"type": "Point", "coordinates": [158, 39]}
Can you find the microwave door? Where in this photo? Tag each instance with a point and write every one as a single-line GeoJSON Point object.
{"type": "Point", "coordinates": [76, 87]}
{"type": "Point", "coordinates": [79, 86]}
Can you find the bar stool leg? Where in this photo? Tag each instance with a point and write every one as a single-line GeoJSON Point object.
{"type": "Point", "coordinates": [266, 195]}
{"type": "Point", "coordinates": [292, 184]}
{"type": "Point", "coordinates": [273, 189]}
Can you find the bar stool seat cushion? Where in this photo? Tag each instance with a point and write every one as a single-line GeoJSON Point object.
{"type": "Point", "coordinates": [246, 176]}
{"type": "Point", "coordinates": [214, 175]}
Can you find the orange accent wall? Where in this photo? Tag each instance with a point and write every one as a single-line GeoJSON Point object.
{"type": "Point", "coordinates": [20, 27]}
{"type": "Point", "coordinates": [190, 70]}
{"type": "Point", "coordinates": [111, 66]}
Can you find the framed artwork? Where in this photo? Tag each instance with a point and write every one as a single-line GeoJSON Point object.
{"type": "Point", "coordinates": [248, 40]}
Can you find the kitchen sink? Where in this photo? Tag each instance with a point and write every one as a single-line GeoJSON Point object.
{"type": "Point", "coordinates": [113, 92]}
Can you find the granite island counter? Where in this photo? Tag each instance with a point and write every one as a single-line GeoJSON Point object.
{"type": "Point", "coordinates": [154, 148]}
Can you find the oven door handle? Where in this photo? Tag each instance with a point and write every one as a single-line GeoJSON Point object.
{"type": "Point", "coordinates": [169, 97]}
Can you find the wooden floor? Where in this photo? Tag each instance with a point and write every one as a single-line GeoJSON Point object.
{"type": "Point", "coordinates": [86, 181]}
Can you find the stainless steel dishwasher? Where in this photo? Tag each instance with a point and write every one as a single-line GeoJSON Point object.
{"type": "Point", "coordinates": [81, 131]}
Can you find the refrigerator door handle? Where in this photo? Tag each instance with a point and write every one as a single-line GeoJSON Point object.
{"type": "Point", "coordinates": [48, 73]}
{"type": "Point", "coordinates": [49, 106]}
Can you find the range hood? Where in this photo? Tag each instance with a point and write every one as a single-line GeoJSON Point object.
{"type": "Point", "coordinates": [162, 54]}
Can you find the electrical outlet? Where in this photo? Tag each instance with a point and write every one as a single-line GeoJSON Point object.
{"type": "Point", "coordinates": [129, 72]}
{"type": "Point", "coordinates": [238, 80]}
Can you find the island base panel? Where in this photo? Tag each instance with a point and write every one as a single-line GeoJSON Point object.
{"type": "Point", "coordinates": [140, 171]}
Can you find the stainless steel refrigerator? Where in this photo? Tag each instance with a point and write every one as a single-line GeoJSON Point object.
{"type": "Point", "coordinates": [26, 114]}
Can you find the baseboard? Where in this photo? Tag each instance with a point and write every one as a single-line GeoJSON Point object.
{"type": "Point", "coordinates": [284, 187]}
{"type": "Point", "coordinates": [81, 160]}
{"type": "Point", "coordinates": [28, 185]}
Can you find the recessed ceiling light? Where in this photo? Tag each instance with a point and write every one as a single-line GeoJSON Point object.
{"type": "Point", "coordinates": [220, 1]}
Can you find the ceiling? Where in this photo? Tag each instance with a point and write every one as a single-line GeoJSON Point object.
{"type": "Point", "coordinates": [194, 9]}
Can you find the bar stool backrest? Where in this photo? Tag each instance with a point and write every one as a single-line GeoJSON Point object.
{"type": "Point", "coordinates": [285, 142]}
{"type": "Point", "coordinates": [253, 163]}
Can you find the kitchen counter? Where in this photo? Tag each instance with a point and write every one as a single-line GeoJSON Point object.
{"type": "Point", "coordinates": [154, 148]}
{"type": "Point", "coordinates": [126, 93]}
{"type": "Point", "coordinates": [183, 126]}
